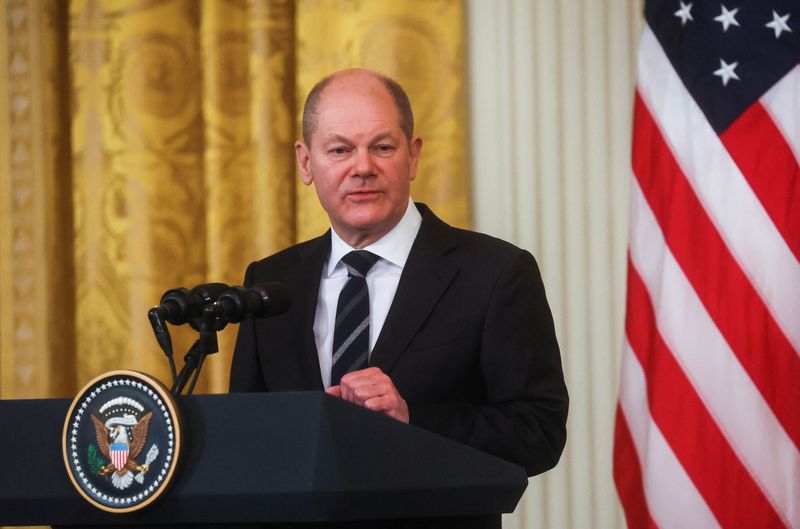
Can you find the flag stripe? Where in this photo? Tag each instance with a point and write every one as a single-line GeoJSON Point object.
{"type": "Point", "coordinates": [687, 425]}
{"type": "Point", "coordinates": [672, 499]}
{"type": "Point", "coordinates": [727, 198]}
{"type": "Point", "coordinates": [628, 476]}
{"type": "Point", "coordinates": [724, 290]}
{"type": "Point", "coordinates": [782, 102]}
{"type": "Point", "coordinates": [767, 162]}
{"type": "Point", "coordinates": [722, 384]}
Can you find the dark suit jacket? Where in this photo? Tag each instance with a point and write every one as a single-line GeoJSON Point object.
{"type": "Point", "coordinates": [468, 341]}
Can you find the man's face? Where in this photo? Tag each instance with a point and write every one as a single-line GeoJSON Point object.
{"type": "Point", "coordinates": [360, 162]}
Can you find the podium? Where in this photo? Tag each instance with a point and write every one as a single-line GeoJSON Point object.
{"type": "Point", "coordinates": [264, 458]}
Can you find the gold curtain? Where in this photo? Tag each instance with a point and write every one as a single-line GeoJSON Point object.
{"type": "Point", "coordinates": [147, 144]}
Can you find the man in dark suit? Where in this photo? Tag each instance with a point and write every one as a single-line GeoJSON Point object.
{"type": "Point", "coordinates": [459, 339]}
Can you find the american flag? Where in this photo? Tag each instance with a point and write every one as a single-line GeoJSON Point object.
{"type": "Point", "coordinates": [708, 422]}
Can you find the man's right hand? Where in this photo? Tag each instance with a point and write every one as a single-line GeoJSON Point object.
{"type": "Point", "coordinates": [373, 389]}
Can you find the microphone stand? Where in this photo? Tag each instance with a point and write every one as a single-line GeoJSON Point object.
{"type": "Point", "coordinates": [205, 345]}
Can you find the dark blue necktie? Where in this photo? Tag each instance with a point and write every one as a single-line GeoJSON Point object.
{"type": "Point", "coordinates": [351, 329]}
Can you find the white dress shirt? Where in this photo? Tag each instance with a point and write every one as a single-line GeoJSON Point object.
{"type": "Point", "coordinates": [382, 279]}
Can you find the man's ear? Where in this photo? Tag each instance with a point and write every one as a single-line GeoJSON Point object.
{"type": "Point", "coordinates": [303, 155]}
{"type": "Point", "coordinates": [414, 152]}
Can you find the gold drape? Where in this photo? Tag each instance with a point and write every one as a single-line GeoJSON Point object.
{"type": "Point", "coordinates": [147, 144]}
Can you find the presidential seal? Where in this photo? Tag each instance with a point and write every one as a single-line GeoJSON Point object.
{"type": "Point", "coordinates": [122, 441]}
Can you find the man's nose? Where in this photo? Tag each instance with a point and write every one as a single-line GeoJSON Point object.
{"type": "Point", "coordinates": [364, 164]}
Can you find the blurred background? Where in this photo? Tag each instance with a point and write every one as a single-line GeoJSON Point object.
{"type": "Point", "coordinates": [147, 144]}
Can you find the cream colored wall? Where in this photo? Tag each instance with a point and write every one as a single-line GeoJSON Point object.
{"type": "Point", "coordinates": [551, 86]}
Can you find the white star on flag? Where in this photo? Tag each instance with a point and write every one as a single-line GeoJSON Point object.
{"type": "Point", "coordinates": [684, 13]}
{"type": "Point", "coordinates": [726, 72]}
{"type": "Point", "coordinates": [727, 18]}
{"type": "Point", "coordinates": [779, 24]}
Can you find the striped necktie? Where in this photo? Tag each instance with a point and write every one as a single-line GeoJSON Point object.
{"type": "Point", "coordinates": [351, 330]}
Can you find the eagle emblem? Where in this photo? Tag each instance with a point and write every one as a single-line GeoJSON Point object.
{"type": "Point", "coordinates": [121, 440]}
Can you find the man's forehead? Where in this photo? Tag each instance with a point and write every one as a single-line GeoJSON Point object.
{"type": "Point", "coordinates": [358, 134]}
{"type": "Point", "coordinates": [356, 109]}
{"type": "Point", "coordinates": [377, 122]}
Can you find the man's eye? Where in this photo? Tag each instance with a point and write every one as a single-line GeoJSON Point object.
{"type": "Point", "coordinates": [338, 150]}
{"type": "Point", "coordinates": [385, 148]}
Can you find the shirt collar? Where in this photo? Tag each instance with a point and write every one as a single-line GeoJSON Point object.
{"type": "Point", "coordinates": [393, 247]}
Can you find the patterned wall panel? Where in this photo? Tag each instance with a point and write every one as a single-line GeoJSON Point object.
{"type": "Point", "coordinates": [248, 160]}
{"type": "Point", "coordinates": [183, 160]}
{"type": "Point", "coordinates": [137, 159]}
{"type": "Point", "coordinates": [37, 316]}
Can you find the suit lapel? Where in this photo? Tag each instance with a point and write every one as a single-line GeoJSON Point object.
{"type": "Point", "coordinates": [424, 280]}
{"type": "Point", "coordinates": [305, 279]}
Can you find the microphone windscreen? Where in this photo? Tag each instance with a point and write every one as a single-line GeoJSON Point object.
{"type": "Point", "coordinates": [210, 292]}
{"type": "Point", "coordinates": [275, 296]}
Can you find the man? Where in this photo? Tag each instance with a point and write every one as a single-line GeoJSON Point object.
{"type": "Point", "coordinates": [459, 338]}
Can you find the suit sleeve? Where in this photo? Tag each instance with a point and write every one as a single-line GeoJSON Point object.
{"type": "Point", "coordinates": [246, 374]}
{"type": "Point", "coordinates": [523, 414]}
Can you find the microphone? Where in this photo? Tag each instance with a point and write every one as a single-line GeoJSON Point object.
{"type": "Point", "coordinates": [261, 300]}
{"type": "Point", "coordinates": [180, 305]}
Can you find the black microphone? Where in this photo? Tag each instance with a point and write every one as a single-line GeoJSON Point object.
{"type": "Point", "coordinates": [177, 307]}
{"type": "Point", "coordinates": [180, 305]}
{"type": "Point", "coordinates": [261, 300]}
{"type": "Point", "coordinates": [209, 293]}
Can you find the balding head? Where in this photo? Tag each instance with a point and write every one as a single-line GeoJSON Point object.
{"type": "Point", "coordinates": [357, 76]}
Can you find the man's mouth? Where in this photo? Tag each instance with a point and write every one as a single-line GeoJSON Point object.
{"type": "Point", "coordinates": [363, 194]}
